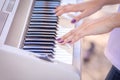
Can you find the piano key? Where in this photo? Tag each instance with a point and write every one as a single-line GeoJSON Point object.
{"type": "Point", "coordinates": [44, 15]}
{"type": "Point", "coordinates": [46, 12]}
{"type": "Point", "coordinates": [43, 9]}
{"type": "Point", "coordinates": [39, 19]}
{"type": "Point", "coordinates": [42, 52]}
{"type": "Point", "coordinates": [43, 37]}
{"type": "Point", "coordinates": [40, 33]}
{"type": "Point", "coordinates": [29, 44]}
{"type": "Point", "coordinates": [51, 35]}
{"type": "Point", "coordinates": [39, 39]}
{"type": "Point", "coordinates": [38, 23]}
{"type": "Point", "coordinates": [47, 32]}
{"type": "Point", "coordinates": [42, 21]}
{"type": "Point", "coordinates": [39, 30]}
{"type": "Point", "coordinates": [38, 47]}
{"type": "Point", "coordinates": [52, 17]}
{"type": "Point", "coordinates": [43, 26]}
{"type": "Point", "coordinates": [40, 4]}
{"type": "Point", "coordinates": [49, 52]}
{"type": "Point", "coordinates": [37, 43]}
{"type": "Point", "coordinates": [47, 2]}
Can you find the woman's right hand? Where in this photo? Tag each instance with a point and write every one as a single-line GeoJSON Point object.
{"type": "Point", "coordinates": [86, 9]}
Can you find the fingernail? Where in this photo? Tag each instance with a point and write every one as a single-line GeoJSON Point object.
{"type": "Point", "coordinates": [69, 41]}
{"type": "Point", "coordinates": [73, 21]}
{"type": "Point", "coordinates": [61, 41]}
{"type": "Point", "coordinates": [58, 39]}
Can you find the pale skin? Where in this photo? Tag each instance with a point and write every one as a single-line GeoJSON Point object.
{"type": "Point", "coordinates": [92, 27]}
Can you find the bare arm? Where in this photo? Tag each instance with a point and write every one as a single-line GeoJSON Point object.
{"type": "Point", "coordinates": [86, 8]}
{"type": "Point", "coordinates": [110, 2]}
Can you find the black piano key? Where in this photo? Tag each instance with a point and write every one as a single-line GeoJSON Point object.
{"type": "Point", "coordinates": [47, 26]}
{"type": "Point", "coordinates": [47, 32]}
{"type": "Point", "coordinates": [40, 19]}
{"type": "Point", "coordinates": [42, 12]}
{"type": "Point", "coordinates": [32, 40]}
{"type": "Point", "coordinates": [40, 33]}
{"type": "Point", "coordinates": [42, 52]}
{"type": "Point", "coordinates": [46, 58]}
{"type": "Point", "coordinates": [44, 15]}
{"type": "Point", "coordinates": [42, 27]}
{"type": "Point", "coordinates": [40, 37]}
{"type": "Point", "coordinates": [37, 43]}
{"type": "Point", "coordinates": [39, 30]}
{"type": "Point", "coordinates": [43, 9]}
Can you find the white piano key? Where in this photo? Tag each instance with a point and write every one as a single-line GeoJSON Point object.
{"type": "Point", "coordinates": [46, 47]}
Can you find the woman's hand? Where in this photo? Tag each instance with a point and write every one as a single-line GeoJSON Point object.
{"type": "Point", "coordinates": [86, 9]}
{"type": "Point", "coordinates": [94, 27]}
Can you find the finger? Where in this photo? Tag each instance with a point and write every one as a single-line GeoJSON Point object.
{"type": "Point", "coordinates": [79, 17]}
{"type": "Point", "coordinates": [61, 40]}
{"type": "Point", "coordinates": [64, 9]}
{"type": "Point", "coordinates": [68, 39]}
{"type": "Point", "coordinates": [59, 8]}
{"type": "Point", "coordinates": [68, 34]}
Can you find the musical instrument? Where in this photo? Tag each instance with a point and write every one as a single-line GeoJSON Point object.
{"type": "Point", "coordinates": [31, 25]}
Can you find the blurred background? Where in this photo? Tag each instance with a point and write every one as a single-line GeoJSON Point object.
{"type": "Point", "coordinates": [95, 65]}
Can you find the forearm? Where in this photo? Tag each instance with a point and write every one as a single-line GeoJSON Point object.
{"type": "Point", "coordinates": [102, 25]}
{"type": "Point", "coordinates": [115, 20]}
{"type": "Point", "coordinates": [110, 21]}
{"type": "Point", "coordinates": [108, 2]}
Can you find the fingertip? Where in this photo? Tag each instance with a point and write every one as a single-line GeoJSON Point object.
{"type": "Point", "coordinates": [73, 21]}
{"type": "Point", "coordinates": [69, 41]}
{"type": "Point", "coordinates": [58, 39]}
